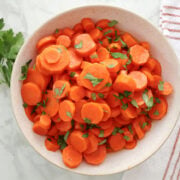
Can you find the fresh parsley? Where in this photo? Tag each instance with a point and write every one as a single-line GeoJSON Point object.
{"type": "Point", "coordinates": [124, 106]}
{"type": "Point", "coordinates": [130, 129]}
{"type": "Point", "coordinates": [118, 55]}
{"type": "Point", "coordinates": [79, 46]}
{"type": "Point", "coordinates": [134, 103]}
{"type": "Point", "coordinates": [93, 96]}
{"type": "Point", "coordinates": [101, 95]}
{"type": "Point", "coordinates": [72, 74]}
{"type": "Point", "coordinates": [68, 114]}
{"type": "Point", "coordinates": [66, 136]}
{"type": "Point", "coordinates": [127, 63]}
{"type": "Point", "coordinates": [108, 84]}
{"type": "Point", "coordinates": [107, 32]}
{"type": "Point", "coordinates": [144, 125]}
{"type": "Point", "coordinates": [111, 65]}
{"type": "Point", "coordinates": [99, 28]}
{"type": "Point", "coordinates": [157, 100]}
{"type": "Point", "coordinates": [101, 134]}
{"type": "Point", "coordinates": [87, 120]}
{"type": "Point", "coordinates": [156, 113]}
{"type": "Point", "coordinates": [94, 80]}
{"type": "Point", "coordinates": [25, 105]}
{"type": "Point", "coordinates": [61, 142]}
{"type": "Point", "coordinates": [148, 101]}
{"type": "Point", "coordinates": [126, 138]}
{"type": "Point", "coordinates": [94, 56]}
{"type": "Point", "coordinates": [85, 135]}
{"type": "Point", "coordinates": [24, 70]}
{"type": "Point", "coordinates": [112, 23]}
{"type": "Point", "coordinates": [161, 85]}
{"type": "Point", "coordinates": [58, 91]}
{"type": "Point", "coordinates": [102, 142]}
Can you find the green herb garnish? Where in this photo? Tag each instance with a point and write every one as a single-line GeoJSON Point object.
{"type": "Point", "coordinates": [87, 120]}
{"type": "Point", "coordinates": [25, 105]}
{"type": "Point", "coordinates": [72, 74]}
{"type": "Point", "coordinates": [148, 101]}
{"type": "Point", "coordinates": [94, 56]}
{"type": "Point", "coordinates": [101, 95]}
{"type": "Point", "coordinates": [101, 134]}
{"type": "Point", "coordinates": [85, 135]}
{"type": "Point", "coordinates": [94, 80]}
{"type": "Point", "coordinates": [144, 125]}
{"type": "Point", "coordinates": [118, 55]}
{"type": "Point", "coordinates": [61, 142]}
{"type": "Point", "coordinates": [108, 84]}
{"type": "Point", "coordinates": [156, 113]}
{"type": "Point", "coordinates": [161, 85]}
{"type": "Point", "coordinates": [134, 103]}
{"type": "Point", "coordinates": [58, 91]}
{"type": "Point", "coordinates": [93, 96]}
{"type": "Point", "coordinates": [112, 23]}
{"type": "Point", "coordinates": [102, 142]}
{"type": "Point", "coordinates": [69, 114]}
{"type": "Point", "coordinates": [126, 138]}
{"type": "Point", "coordinates": [66, 136]}
{"type": "Point", "coordinates": [99, 28]}
{"type": "Point", "coordinates": [24, 70]}
{"type": "Point", "coordinates": [78, 46]}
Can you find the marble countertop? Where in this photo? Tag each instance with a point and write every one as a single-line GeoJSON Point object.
{"type": "Point", "coordinates": [18, 160]}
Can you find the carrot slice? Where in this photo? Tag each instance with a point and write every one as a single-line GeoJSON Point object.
{"type": "Point", "coordinates": [112, 65]}
{"type": "Point", "coordinates": [31, 93]}
{"type": "Point", "coordinates": [155, 82]}
{"type": "Point", "coordinates": [148, 74]}
{"type": "Point", "coordinates": [116, 142]}
{"type": "Point", "coordinates": [66, 110]}
{"type": "Point", "coordinates": [78, 142]}
{"type": "Point", "coordinates": [97, 157]}
{"type": "Point", "coordinates": [92, 112]}
{"type": "Point", "coordinates": [103, 53]}
{"type": "Point", "coordinates": [103, 23]}
{"type": "Point", "coordinates": [68, 32]}
{"type": "Point", "coordinates": [167, 89]}
{"type": "Point", "coordinates": [96, 34]}
{"type": "Point", "coordinates": [157, 70]}
{"type": "Point", "coordinates": [137, 128]}
{"type": "Point", "coordinates": [112, 100]}
{"type": "Point", "coordinates": [51, 106]}
{"type": "Point", "coordinates": [63, 40]}
{"type": "Point", "coordinates": [92, 144]}
{"type": "Point", "coordinates": [129, 39]}
{"type": "Point", "coordinates": [87, 24]}
{"type": "Point", "coordinates": [140, 80]}
{"type": "Point", "coordinates": [76, 93]}
{"type": "Point", "coordinates": [131, 145]}
{"type": "Point", "coordinates": [38, 129]}
{"type": "Point", "coordinates": [127, 134]}
{"type": "Point", "coordinates": [75, 60]}
{"type": "Point", "coordinates": [51, 144]}
{"type": "Point", "coordinates": [84, 45]}
{"type": "Point", "coordinates": [107, 111]}
{"type": "Point", "coordinates": [146, 45]}
{"type": "Point", "coordinates": [150, 64]}
{"type": "Point", "coordinates": [115, 112]}
{"type": "Point", "coordinates": [61, 89]}
{"type": "Point", "coordinates": [53, 131]}
{"type": "Point", "coordinates": [139, 54]}
{"type": "Point", "coordinates": [63, 126]}
{"type": "Point", "coordinates": [78, 28]}
{"type": "Point", "coordinates": [130, 112]}
{"type": "Point", "coordinates": [105, 125]}
{"type": "Point", "coordinates": [45, 121]}
{"type": "Point", "coordinates": [159, 110]}
{"type": "Point", "coordinates": [28, 111]}
{"type": "Point", "coordinates": [71, 157]}
{"type": "Point", "coordinates": [78, 107]}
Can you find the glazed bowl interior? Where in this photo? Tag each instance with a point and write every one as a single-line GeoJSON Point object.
{"type": "Point", "coordinates": [160, 49]}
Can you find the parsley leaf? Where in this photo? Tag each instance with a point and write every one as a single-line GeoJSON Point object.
{"type": "Point", "coordinates": [102, 142]}
{"type": "Point", "coordinates": [124, 106]}
{"type": "Point", "coordinates": [85, 135]}
{"type": "Point", "coordinates": [109, 39]}
{"type": "Point", "coordinates": [58, 91]}
{"type": "Point", "coordinates": [120, 96]}
{"type": "Point", "coordinates": [134, 103]}
{"type": "Point", "coordinates": [107, 32]}
{"type": "Point", "coordinates": [93, 96]}
{"type": "Point", "coordinates": [161, 85]}
{"type": "Point", "coordinates": [79, 46]}
{"type": "Point", "coordinates": [112, 23]}
{"type": "Point", "coordinates": [118, 55]}
{"type": "Point", "coordinates": [115, 131]}
{"type": "Point", "coordinates": [101, 95]}
{"type": "Point", "coordinates": [100, 42]}
{"type": "Point", "coordinates": [25, 105]}
{"type": "Point", "coordinates": [126, 138]}
{"type": "Point", "coordinates": [108, 84]}
{"type": "Point", "coordinates": [127, 93]}
{"type": "Point", "coordinates": [127, 63]}
{"type": "Point", "coordinates": [157, 100]}
{"type": "Point", "coordinates": [61, 142]}
{"type": "Point", "coordinates": [99, 28]}
{"type": "Point", "coordinates": [56, 31]}
{"type": "Point", "coordinates": [101, 134]}
{"type": "Point", "coordinates": [148, 101]}
{"type": "Point", "coordinates": [121, 131]}
{"type": "Point", "coordinates": [94, 56]}
{"type": "Point", "coordinates": [94, 80]}
{"type": "Point", "coordinates": [124, 45]}
{"type": "Point", "coordinates": [68, 114]}
{"type": "Point", "coordinates": [87, 120]}
{"type": "Point", "coordinates": [72, 74]}
{"type": "Point", "coordinates": [111, 65]}
{"type": "Point", "coordinates": [144, 125]}
{"type": "Point", "coordinates": [43, 113]}
{"type": "Point", "coordinates": [66, 136]}
{"type": "Point", "coordinates": [156, 113]}
{"type": "Point", "coordinates": [24, 70]}
{"type": "Point", "coordinates": [130, 129]}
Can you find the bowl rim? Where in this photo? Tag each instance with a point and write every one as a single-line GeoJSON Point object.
{"type": "Point", "coordinates": [47, 22]}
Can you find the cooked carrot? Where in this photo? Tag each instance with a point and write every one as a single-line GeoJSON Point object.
{"type": "Point", "coordinates": [75, 60]}
{"type": "Point", "coordinates": [114, 47]}
{"type": "Point", "coordinates": [71, 157]}
{"type": "Point", "coordinates": [85, 64]}
{"type": "Point", "coordinates": [44, 41]}
{"type": "Point", "coordinates": [45, 121]}
{"type": "Point", "coordinates": [92, 144]}
{"type": "Point", "coordinates": [103, 23]}
{"type": "Point", "coordinates": [68, 32]}
{"type": "Point", "coordinates": [127, 135]}
{"type": "Point", "coordinates": [96, 34]}
{"type": "Point", "coordinates": [146, 45]}
{"type": "Point", "coordinates": [79, 126]}
{"type": "Point", "coordinates": [148, 74]}
{"type": "Point", "coordinates": [38, 129]}
{"type": "Point", "coordinates": [51, 106]}
{"type": "Point", "coordinates": [121, 121]}
{"type": "Point", "coordinates": [112, 65]}
{"type": "Point", "coordinates": [66, 110]}
{"type": "Point", "coordinates": [94, 77]}
{"type": "Point", "coordinates": [105, 125]}
{"type": "Point", "coordinates": [166, 90]}
{"type": "Point", "coordinates": [139, 54]}
{"type": "Point", "coordinates": [78, 107]}
{"type": "Point", "coordinates": [61, 89]}
{"type": "Point", "coordinates": [155, 82]}
{"type": "Point", "coordinates": [140, 80]}
{"type": "Point", "coordinates": [103, 53]}
{"type": "Point", "coordinates": [123, 83]}
{"type": "Point", "coordinates": [84, 45]}
{"type": "Point", "coordinates": [159, 110]}
{"type": "Point", "coordinates": [150, 64]}
{"type": "Point", "coordinates": [31, 93]}
{"type": "Point", "coordinates": [130, 112]}
{"type": "Point", "coordinates": [112, 100]}
{"type": "Point", "coordinates": [115, 112]}
{"type": "Point", "coordinates": [51, 144]}
{"type": "Point", "coordinates": [78, 28]}
{"type": "Point", "coordinates": [157, 70]}
{"type": "Point", "coordinates": [131, 145]}
{"type": "Point", "coordinates": [87, 24]}
{"type": "Point", "coordinates": [78, 142]}
{"type": "Point", "coordinates": [105, 42]}
{"type": "Point", "coordinates": [96, 157]}
{"type": "Point", "coordinates": [94, 57]}
{"type": "Point", "coordinates": [63, 126]}
{"type": "Point", "coordinates": [92, 112]}
{"type": "Point", "coordinates": [63, 40]}
{"type": "Point", "coordinates": [36, 117]}
{"type": "Point", "coordinates": [116, 142]}
{"type": "Point", "coordinates": [107, 111]}
{"type": "Point", "coordinates": [53, 131]}
{"type": "Point", "coordinates": [129, 39]}
{"type": "Point", "coordinates": [28, 110]}
{"type": "Point", "coordinates": [109, 31]}
{"type": "Point", "coordinates": [76, 93]}
{"type": "Point", "coordinates": [137, 128]}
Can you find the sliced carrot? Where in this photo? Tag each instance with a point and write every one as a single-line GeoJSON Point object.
{"type": "Point", "coordinates": [66, 110]}
{"type": "Point", "coordinates": [44, 41]}
{"type": "Point", "coordinates": [96, 34]}
{"type": "Point", "coordinates": [123, 83]}
{"type": "Point", "coordinates": [78, 107]}
{"type": "Point", "coordinates": [109, 31]}
{"type": "Point", "coordinates": [63, 126]}
{"type": "Point", "coordinates": [112, 100]}
{"type": "Point", "coordinates": [139, 54]}
{"type": "Point", "coordinates": [131, 145]}
{"type": "Point", "coordinates": [87, 24]}
{"type": "Point", "coordinates": [105, 42]}
{"type": "Point", "coordinates": [38, 129]}
{"type": "Point", "coordinates": [96, 157]}
{"type": "Point", "coordinates": [63, 40]}
{"type": "Point", "coordinates": [103, 53]}
{"type": "Point", "coordinates": [115, 112]}
{"type": "Point", "coordinates": [53, 131]}
{"type": "Point", "coordinates": [112, 65]}
{"type": "Point", "coordinates": [92, 144]}
{"type": "Point", "coordinates": [107, 111]}
{"type": "Point", "coordinates": [103, 23]}
{"type": "Point", "coordinates": [116, 142]}
{"type": "Point", "coordinates": [92, 112]}
{"type": "Point", "coordinates": [31, 93]}
{"type": "Point", "coordinates": [167, 89]}
{"type": "Point", "coordinates": [71, 157]}
{"type": "Point", "coordinates": [36, 118]}
{"type": "Point", "coordinates": [61, 89]}
{"type": "Point", "coordinates": [75, 60]}
{"type": "Point", "coordinates": [121, 121]}
{"type": "Point", "coordinates": [146, 45]}
{"type": "Point", "coordinates": [84, 44]}
{"type": "Point", "coordinates": [127, 134]}
{"type": "Point", "coordinates": [155, 82]}
{"type": "Point", "coordinates": [51, 144]}
{"type": "Point", "coordinates": [94, 57]}
{"type": "Point", "coordinates": [150, 64]}
{"type": "Point", "coordinates": [159, 110]}
{"type": "Point", "coordinates": [51, 106]}
{"type": "Point", "coordinates": [68, 32]}
{"type": "Point", "coordinates": [148, 74]}
{"type": "Point", "coordinates": [130, 112]}
{"type": "Point", "coordinates": [157, 70]}
{"type": "Point", "coordinates": [140, 80]}
{"type": "Point", "coordinates": [114, 47]}
{"type": "Point", "coordinates": [78, 142]}
{"type": "Point", "coordinates": [80, 126]}
{"type": "Point", "coordinates": [29, 114]}
{"type": "Point", "coordinates": [76, 93]}
{"type": "Point", "coordinates": [137, 128]}
{"type": "Point", "coordinates": [129, 39]}
{"type": "Point", "coordinates": [78, 28]}
{"type": "Point", "coordinates": [45, 121]}
{"type": "Point", "coordinates": [105, 125]}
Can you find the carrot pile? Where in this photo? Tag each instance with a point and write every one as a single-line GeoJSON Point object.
{"type": "Point", "coordinates": [93, 89]}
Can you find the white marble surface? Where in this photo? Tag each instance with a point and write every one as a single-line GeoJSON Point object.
{"type": "Point", "coordinates": [18, 160]}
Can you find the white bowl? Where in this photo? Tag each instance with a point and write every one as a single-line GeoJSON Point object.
{"type": "Point", "coordinates": [160, 49]}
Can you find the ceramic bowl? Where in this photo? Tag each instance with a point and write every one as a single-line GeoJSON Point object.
{"type": "Point", "coordinates": [160, 49]}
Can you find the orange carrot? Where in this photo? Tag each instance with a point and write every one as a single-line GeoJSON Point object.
{"type": "Point", "coordinates": [129, 39]}
{"type": "Point", "coordinates": [87, 24]}
{"type": "Point", "coordinates": [115, 112]}
{"type": "Point", "coordinates": [63, 126]}
{"type": "Point", "coordinates": [112, 100]}
{"type": "Point", "coordinates": [112, 65]}
{"type": "Point", "coordinates": [92, 144]}
{"type": "Point", "coordinates": [68, 32]}
{"type": "Point", "coordinates": [146, 45]}
{"type": "Point", "coordinates": [76, 93]}
{"type": "Point", "coordinates": [131, 145]}
{"type": "Point", "coordinates": [78, 28]}
{"type": "Point", "coordinates": [45, 121]}
{"type": "Point", "coordinates": [105, 125]}
{"type": "Point", "coordinates": [103, 53]}
{"type": "Point", "coordinates": [137, 128]}
{"type": "Point", "coordinates": [166, 90]}
{"type": "Point", "coordinates": [53, 131]}
{"type": "Point", "coordinates": [38, 129]}
{"type": "Point", "coordinates": [103, 23]}
{"type": "Point", "coordinates": [130, 112]}
{"type": "Point", "coordinates": [63, 40]}
{"type": "Point", "coordinates": [96, 34]}
{"type": "Point", "coordinates": [51, 144]}
{"type": "Point", "coordinates": [107, 111]}
{"type": "Point", "coordinates": [28, 111]}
